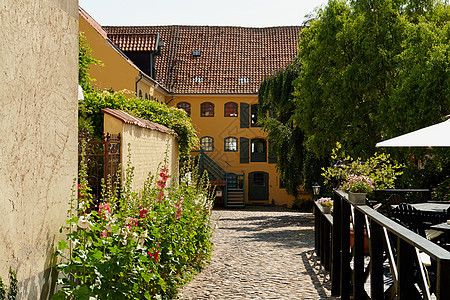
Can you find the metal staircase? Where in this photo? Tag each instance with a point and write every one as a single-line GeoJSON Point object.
{"type": "Point", "coordinates": [233, 185]}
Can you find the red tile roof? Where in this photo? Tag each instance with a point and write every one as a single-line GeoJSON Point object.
{"type": "Point", "coordinates": [135, 42]}
{"type": "Point", "coordinates": [233, 60]}
{"type": "Point", "coordinates": [129, 119]}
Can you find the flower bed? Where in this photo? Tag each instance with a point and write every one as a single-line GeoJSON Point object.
{"type": "Point", "coordinates": [136, 245]}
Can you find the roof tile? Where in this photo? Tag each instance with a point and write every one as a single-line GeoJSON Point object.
{"type": "Point", "coordinates": [227, 54]}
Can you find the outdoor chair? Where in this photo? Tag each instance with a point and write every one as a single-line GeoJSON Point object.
{"type": "Point", "coordinates": [409, 217]}
{"type": "Point", "coordinates": [393, 199]}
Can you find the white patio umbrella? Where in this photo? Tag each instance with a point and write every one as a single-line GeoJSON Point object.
{"type": "Point", "coordinates": [437, 135]}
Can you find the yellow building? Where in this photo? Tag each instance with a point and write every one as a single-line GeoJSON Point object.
{"type": "Point", "coordinates": [213, 73]}
{"type": "Point", "coordinates": [117, 71]}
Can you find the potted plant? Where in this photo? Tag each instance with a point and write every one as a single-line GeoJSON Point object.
{"type": "Point", "coordinates": [326, 204]}
{"type": "Point", "coordinates": [357, 187]}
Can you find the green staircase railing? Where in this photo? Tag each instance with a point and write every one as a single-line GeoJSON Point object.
{"type": "Point", "coordinates": [234, 184]}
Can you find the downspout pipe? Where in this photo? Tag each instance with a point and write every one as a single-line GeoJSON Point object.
{"type": "Point", "coordinates": [140, 78]}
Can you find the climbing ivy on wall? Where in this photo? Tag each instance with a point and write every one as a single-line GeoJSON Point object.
{"type": "Point", "coordinates": [276, 108]}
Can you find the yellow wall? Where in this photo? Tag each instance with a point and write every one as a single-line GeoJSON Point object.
{"type": "Point", "coordinates": [38, 136]}
{"type": "Point", "coordinates": [148, 149]}
{"type": "Point", "coordinates": [117, 72]}
{"type": "Point", "coordinates": [219, 127]}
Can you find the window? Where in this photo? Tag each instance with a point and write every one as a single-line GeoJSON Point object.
{"type": "Point", "coordinates": [207, 109]}
{"type": "Point", "coordinates": [254, 116]}
{"type": "Point", "coordinates": [146, 96]}
{"type": "Point", "coordinates": [140, 94]}
{"type": "Point", "coordinates": [231, 144]}
{"type": "Point", "coordinates": [243, 80]}
{"type": "Point", "coordinates": [258, 150]}
{"type": "Point", "coordinates": [231, 109]}
{"type": "Point", "coordinates": [186, 107]}
{"type": "Point", "coordinates": [198, 79]}
{"type": "Point", "coordinates": [207, 143]}
{"type": "Point", "coordinates": [196, 53]}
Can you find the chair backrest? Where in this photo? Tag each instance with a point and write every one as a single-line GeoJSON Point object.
{"type": "Point", "coordinates": [393, 200]}
{"type": "Point", "coordinates": [409, 217]}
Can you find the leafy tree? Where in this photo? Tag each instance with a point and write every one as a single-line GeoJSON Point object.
{"type": "Point", "coordinates": [366, 71]}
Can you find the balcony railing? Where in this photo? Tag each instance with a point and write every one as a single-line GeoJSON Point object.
{"type": "Point", "coordinates": [394, 267]}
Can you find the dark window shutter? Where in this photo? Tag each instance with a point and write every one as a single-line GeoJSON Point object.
{"type": "Point", "coordinates": [244, 115]}
{"type": "Point", "coordinates": [244, 154]}
{"type": "Point", "coordinates": [272, 154]}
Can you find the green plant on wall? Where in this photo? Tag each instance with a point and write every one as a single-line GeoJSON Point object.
{"type": "Point", "coordinates": [11, 293]}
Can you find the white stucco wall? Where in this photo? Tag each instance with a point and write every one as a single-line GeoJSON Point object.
{"type": "Point", "coordinates": [38, 135]}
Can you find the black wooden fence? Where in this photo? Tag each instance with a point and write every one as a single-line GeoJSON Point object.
{"type": "Point", "coordinates": [102, 158]}
{"type": "Point", "coordinates": [393, 268]}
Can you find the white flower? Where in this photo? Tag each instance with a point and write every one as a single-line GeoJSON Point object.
{"type": "Point", "coordinates": [83, 221]}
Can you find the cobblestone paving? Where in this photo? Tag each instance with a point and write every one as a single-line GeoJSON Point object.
{"type": "Point", "coordinates": [262, 253]}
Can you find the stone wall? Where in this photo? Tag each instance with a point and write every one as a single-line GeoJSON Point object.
{"type": "Point", "coordinates": [38, 135]}
{"type": "Point", "coordinates": [148, 149]}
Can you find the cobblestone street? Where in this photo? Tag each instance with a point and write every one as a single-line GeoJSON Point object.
{"type": "Point", "coordinates": [261, 253]}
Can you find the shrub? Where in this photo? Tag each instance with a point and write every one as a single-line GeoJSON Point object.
{"type": "Point", "coordinates": [136, 245]}
{"type": "Point", "coordinates": [379, 169]}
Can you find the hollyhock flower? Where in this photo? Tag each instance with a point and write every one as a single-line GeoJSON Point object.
{"type": "Point", "coordinates": [155, 254]}
{"type": "Point", "coordinates": [83, 221]}
{"type": "Point", "coordinates": [178, 213]}
{"type": "Point", "coordinates": [142, 213]}
{"type": "Point", "coordinates": [108, 227]}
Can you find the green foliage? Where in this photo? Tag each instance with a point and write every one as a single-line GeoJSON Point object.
{"type": "Point", "coordinates": [11, 293]}
{"type": "Point", "coordinates": [275, 111]}
{"type": "Point", "coordinates": [442, 192]}
{"type": "Point", "coordinates": [171, 117]}
{"type": "Point", "coordinates": [136, 245]}
{"type": "Point", "coordinates": [85, 60]}
{"type": "Point", "coordinates": [366, 71]}
{"type": "Point", "coordinates": [378, 168]}
{"type": "Point", "coordinates": [363, 62]}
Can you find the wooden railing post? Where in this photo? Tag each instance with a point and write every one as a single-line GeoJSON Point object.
{"type": "Point", "coordinates": [405, 255]}
{"type": "Point", "coordinates": [376, 247]}
{"type": "Point", "coordinates": [345, 251]}
{"type": "Point", "coordinates": [358, 255]}
{"type": "Point", "coordinates": [336, 247]}
{"type": "Point", "coordinates": [443, 279]}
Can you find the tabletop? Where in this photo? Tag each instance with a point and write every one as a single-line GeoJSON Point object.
{"type": "Point", "coordinates": [442, 227]}
{"type": "Point", "coordinates": [431, 206]}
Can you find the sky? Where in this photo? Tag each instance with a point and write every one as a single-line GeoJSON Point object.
{"type": "Point", "coordinates": [246, 13]}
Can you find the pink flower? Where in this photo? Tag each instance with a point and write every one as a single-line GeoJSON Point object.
{"type": "Point", "coordinates": [178, 213]}
{"type": "Point", "coordinates": [103, 234]}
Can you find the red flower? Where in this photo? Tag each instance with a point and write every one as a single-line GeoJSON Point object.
{"type": "Point", "coordinates": [155, 254]}
{"type": "Point", "coordinates": [142, 213]}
